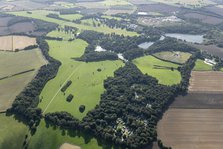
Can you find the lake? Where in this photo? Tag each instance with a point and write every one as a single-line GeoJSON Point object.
{"type": "Point", "coordinates": [187, 37]}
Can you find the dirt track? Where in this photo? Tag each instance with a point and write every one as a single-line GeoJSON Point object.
{"type": "Point", "coordinates": [192, 128]}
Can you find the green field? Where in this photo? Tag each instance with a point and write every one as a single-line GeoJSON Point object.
{"type": "Point", "coordinates": [41, 14]}
{"type": "Point", "coordinates": [12, 132]}
{"type": "Point", "coordinates": [176, 56]}
{"type": "Point", "coordinates": [164, 76]}
{"type": "Point", "coordinates": [201, 66]}
{"type": "Point", "coordinates": [87, 83]}
{"type": "Point", "coordinates": [56, 137]}
{"type": "Point", "coordinates": [71, 17]}
{"type": "Point", "coordinates": [61, 34]}
{"type": "Point", "coordinates": [12, 63]}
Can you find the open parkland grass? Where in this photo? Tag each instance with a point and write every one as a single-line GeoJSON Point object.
{"type": "Point", "coordinates": [71, 17]}
{"type": "Point", "coordinates": [41, 14]}
{"type": "Point", "coordinates": [12, 132]}
{"type": "Point", "coordinates": [201, 66]}
{"type": "Point", "coordinates": [164, 76]}
{"type": "Point", "coordinates": [60, 34]}
{"type": "Point", "coordinates": [177, 57]}
{"type": "Point", "coordinates": [49, 137]}
{"type": "Point", "coordinates": [87, 83]}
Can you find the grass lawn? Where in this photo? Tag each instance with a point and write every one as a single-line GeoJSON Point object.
{"type": "Point", "coordinates": [165, 76]}
{"type": "Point", "coordinates": [41, 14]}
{"type": "Point", "coordinates": [12, 132]}
{"type": "Point", "coordinates": [177, 57]}
{"type": "Point", "coordinates": [201, 66]}
{"type": "Point", "coordinates": [60, 34]}
{"type": "Point", "coordinates": [87, 83]}
{"type": "Point", "coordinates": [71, 17]}
{"type": "Point", "coordinates": [12, 63]}
{"type": "Point", "coordinates": [48, 137]}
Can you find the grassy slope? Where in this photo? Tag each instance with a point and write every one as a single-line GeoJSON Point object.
{"type": "Point", "coordinates": [52, 138]}
{"type": "Point", "coordinates": [41, 14]}
{"type": "Point", "coordinates": [14, 63]}
{"type": "Point", "coordinates": [201, 66]}
{"type": "Point", "coordinates": [71, 17]}
{"type": "Point", "coordinates": [170, 56]}
{"type": "Point", "coordinates": [167, 77]}
{"type": "Point", "coordinates": [12, 133]}
{"type": "Point", "coordinates": [87, 83]}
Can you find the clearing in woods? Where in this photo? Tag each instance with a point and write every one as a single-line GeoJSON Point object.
{"type": "Point", "coordinates": [11, 43]}
{"type": "Point", "coordinates": [87, 82]}
{"type": "Point", "coordinates": [147, 64]}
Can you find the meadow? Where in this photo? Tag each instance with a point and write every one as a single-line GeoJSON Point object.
{"type": "Point", "coordinates": [71, 17]}
{"type": "Point", "coordinates": [201, 66]}
{"type": "Point", "coordinates": [61, 34]}
{"type": "Point", "coordinates": [12, 132]}
{"type": "Point", "coordinates": [164, 76]}
{"type": "Point", "coordinates": [87, 83]}
{"type": "Point", "coordinates": [14, 63]}
{"type": "Point", "coordinates": [41, 14]}
{"type": "Point", "coordinates": [56, 137]}
{"type": "Point", "coordinates": [176, 56]}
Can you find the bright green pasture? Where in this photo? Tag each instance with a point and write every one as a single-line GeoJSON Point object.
{"type": "Point", "coordinates": [176, 56]}
{"type": "Point", "coordinates": [201, 66]}
{"type": "Point", "coordinates": [60, 34]}
{"type": "Point", "coordinates": [87, 83]}
{"type": "Point", "coordinates": [48, 137]}
{"type": "Point", "coordinates": [41, 14]}
{"type": "Point", "coordinates": [71, 17]}
{"type": "Point", "coordinates": [165, 76]}
{"type": "Point", "coordinates": [12, 132]}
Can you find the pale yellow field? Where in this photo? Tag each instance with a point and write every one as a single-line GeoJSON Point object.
{"type": "Point", "coordinates": [11, 43]}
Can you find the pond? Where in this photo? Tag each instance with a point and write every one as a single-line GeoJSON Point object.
{"type": "Point", "coordinates": [187, 37]}
{"type": "Point", "coordinates": [99, 49]}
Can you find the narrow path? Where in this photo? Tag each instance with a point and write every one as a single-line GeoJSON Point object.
{"type": "Point", "coordinates": [61, 88]}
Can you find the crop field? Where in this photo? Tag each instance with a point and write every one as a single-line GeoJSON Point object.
{"type": "Point", "coordinates": [22, 27]}
{"type": "Point", "coordinates": [176, 57]}
{"type": "Point", "coordinates": [11, 43]}
{"type": "Point", "coordinates": [147, 64]}
{"type": "Point", "coordinates": [14, 63]}
{"type": "Point", "coordinates": [4, 21]}
{"type": "Point", "coordinates": [196, 100]}
{"type": "Point", "coordinates": [214, 9]}
{"type": "Point", "coordinates": [192, 128]}
{"type": "Point", "coordinates": [12, 132]}
{"type": "Point", "coordinates": [41, 14]}
{"type": "Point", "coordinates": [200, 65]}
{"type": "Point", "coordinates": [56, 137]}
{"type": "Point", "coordinates": [204, 18]}
{"type": "Point", "coordinates": [212, 49]}
{"type": "Point", "coordinates": [206, 81]}
{"type": "Point", "coordinates": [87, 83]}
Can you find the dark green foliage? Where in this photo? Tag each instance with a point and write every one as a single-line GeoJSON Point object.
{"type": "Point", "coordinates": [99, 70]}
{"type": "Point", "coordinates": [133, 53]}
{"type": "Point", "coordinates": [82, 108]}
{"type": "Point", "coordinates": [170, 44]}
{"type": "Point", "coordinates": [161, 146]}
{"type": "Point", "coordinates": [64, 88]}
{"type": "Point", "coordinates": [138, 100]}
{"type": "Point", "coordinates": [62, 119]}
{"type": "Point", "coordinates": [70, 97]}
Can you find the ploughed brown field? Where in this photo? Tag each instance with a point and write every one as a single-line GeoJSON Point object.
{"type": "Point", "coordinates": [204, 81]}
{"type": "Point", "coordinates": [192, 128]}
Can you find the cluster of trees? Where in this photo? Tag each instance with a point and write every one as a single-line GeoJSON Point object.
{"type": "Point", "coordinates": [170, 44]}
{"type": "Point", "coordinates": [70, 97]}
{"type": "Point", "coordinates": [55, 16]}
{"type": "Point", "coordinates": [25, 104]}
{"type": "Point", "coordinates": [135, 98]}
{"type": "Point", "coordinates": [64, 88]}
{"type": "Point", "coordinates": [111, 42]}
{"type": "Point", "coordinates": [62, 119]}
